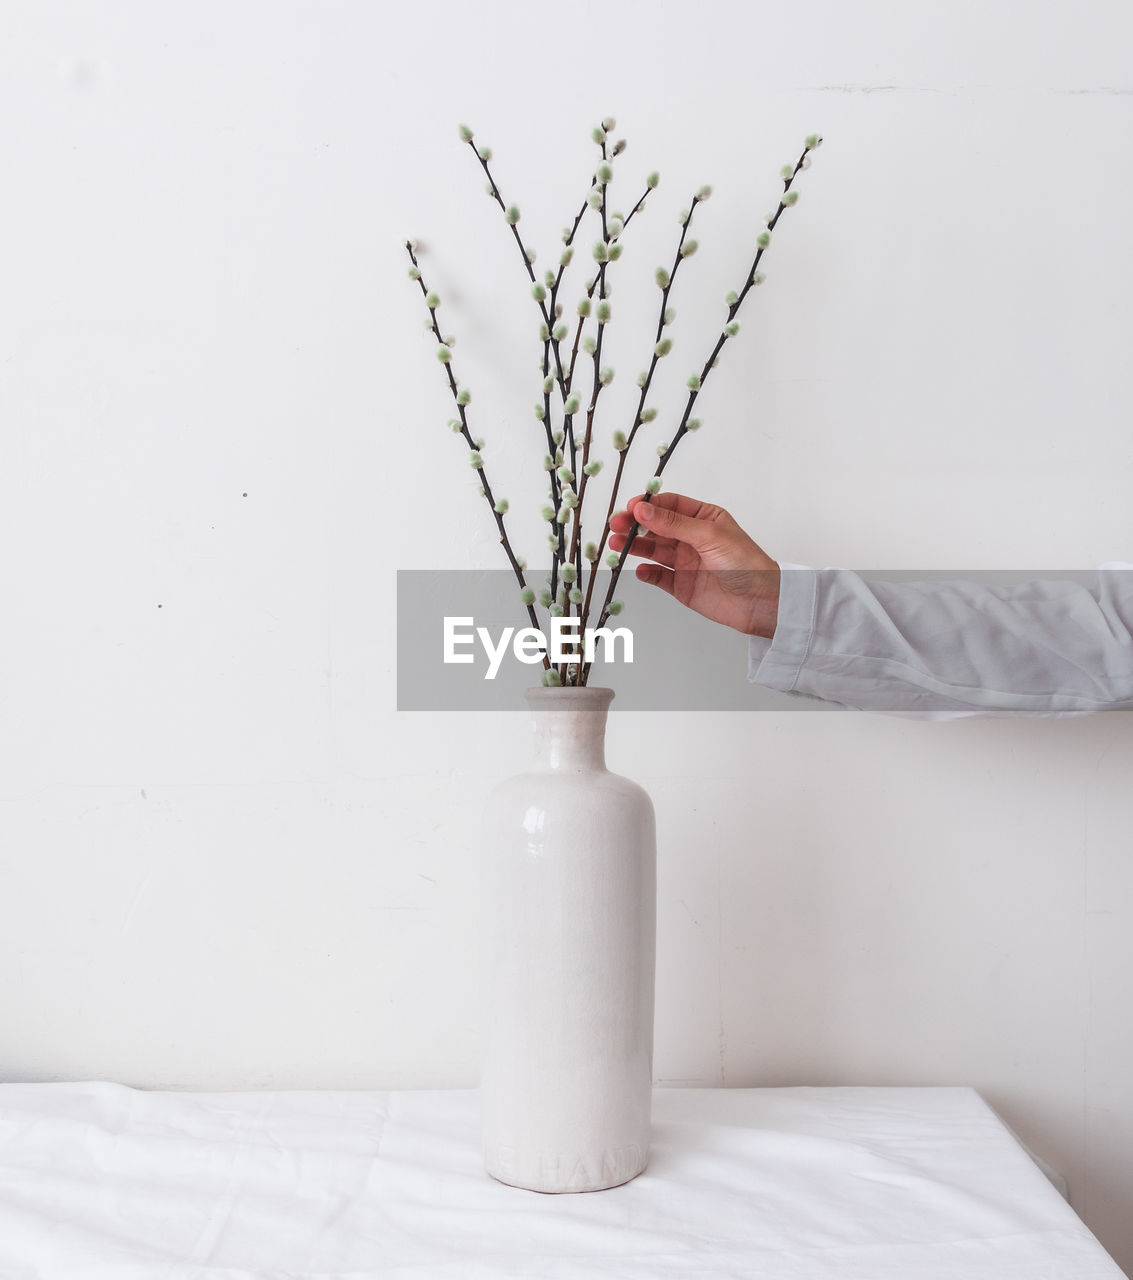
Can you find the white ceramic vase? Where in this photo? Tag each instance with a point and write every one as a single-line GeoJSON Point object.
{"type": "Point", "coordinates": [569, 923]}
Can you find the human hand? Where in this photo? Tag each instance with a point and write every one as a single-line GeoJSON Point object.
{"type": "Point", "coordinates": [702, 558]}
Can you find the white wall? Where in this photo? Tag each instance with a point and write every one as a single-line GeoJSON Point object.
{"type": "Point", "coordinates": [227, 861]}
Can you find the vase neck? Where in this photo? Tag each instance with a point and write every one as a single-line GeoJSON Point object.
{"type": "Point", "coordinates": [569, 728]}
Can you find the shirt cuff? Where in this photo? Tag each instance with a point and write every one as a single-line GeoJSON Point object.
{"type": "Point", "coordinates": [776, 662]}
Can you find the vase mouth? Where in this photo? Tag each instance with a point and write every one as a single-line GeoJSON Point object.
{"type": "Point", "coordinates": [592, 697]}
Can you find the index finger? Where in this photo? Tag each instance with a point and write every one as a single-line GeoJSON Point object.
{"type": "Point", "coordinates": [678, 502]}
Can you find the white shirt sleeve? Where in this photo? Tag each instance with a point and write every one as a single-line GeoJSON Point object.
{"type": "Point", "coordinates": [938, 650]}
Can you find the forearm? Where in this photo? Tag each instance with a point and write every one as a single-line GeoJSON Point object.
{"type": "Point", "coordinates": [944, 648]}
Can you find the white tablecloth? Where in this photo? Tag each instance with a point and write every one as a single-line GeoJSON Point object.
{"type": "Point", "coordinates": [102, 1182]}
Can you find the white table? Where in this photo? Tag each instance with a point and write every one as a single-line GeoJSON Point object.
{"type": "Point", "coordinates": [109, 1183]}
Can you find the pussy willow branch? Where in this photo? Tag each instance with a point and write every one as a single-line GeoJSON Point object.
{"type": "Point", "coordinates": [637, 420]}
{"type": "Point", "coordinates": [733, 311]}
{"type": "Point", "coordinates": [569, 425]}
{"type": "Point", "coordinates": [595, 391]}
{"type": "Point", "coordinates": [548, 320]}
{"type": "Point", "coordinates": [579, 469]}
{"type": "Point", "coordinates": [593, 285]}
{"type": "Point", "coordinates": [467, 434]}
{"type": "Point", "coordinates": [556, 528]}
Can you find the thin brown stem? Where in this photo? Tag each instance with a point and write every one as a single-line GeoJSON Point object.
{"type": "Point", "coordinates": [467, 434]}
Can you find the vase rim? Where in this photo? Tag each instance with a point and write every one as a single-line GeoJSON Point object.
{"type": "Point", "coordinates": [586, 695]}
